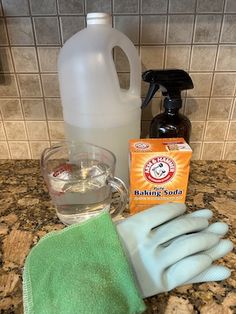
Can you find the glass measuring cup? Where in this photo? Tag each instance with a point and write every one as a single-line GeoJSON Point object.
{"type": "Point", "coordinates": [80, 179]}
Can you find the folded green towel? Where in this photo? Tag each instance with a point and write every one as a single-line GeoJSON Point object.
{"type": "Point", "coordinates": [80, 269]}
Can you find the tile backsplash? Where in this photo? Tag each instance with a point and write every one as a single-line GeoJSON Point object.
{"type": "Point", "coordinates": [198, 36]}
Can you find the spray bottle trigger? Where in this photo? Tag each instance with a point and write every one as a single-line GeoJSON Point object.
{"type": "Point", "coordinates": [153, 88]}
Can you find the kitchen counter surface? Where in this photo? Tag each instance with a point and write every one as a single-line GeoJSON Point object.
{"type": "Point", "coordinates": [26, 214]}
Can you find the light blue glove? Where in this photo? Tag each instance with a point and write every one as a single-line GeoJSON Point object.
{"type": "Point", "coordinates": [167, 249]}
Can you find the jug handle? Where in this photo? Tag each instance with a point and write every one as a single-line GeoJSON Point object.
{"type": "Point", "coordinates": [134, 62]}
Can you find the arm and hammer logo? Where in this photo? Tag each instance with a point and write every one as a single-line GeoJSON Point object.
{"type": "Point", "coordinates": [159, 169]}
{"type": "Point", "coordinates": [142, 146]}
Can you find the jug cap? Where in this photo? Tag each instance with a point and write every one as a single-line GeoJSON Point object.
{"type": "Point", "coordinates": [98, 18]}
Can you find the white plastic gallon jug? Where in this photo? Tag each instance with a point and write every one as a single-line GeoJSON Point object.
{"type": "Point", "coordinates": [95, 108]}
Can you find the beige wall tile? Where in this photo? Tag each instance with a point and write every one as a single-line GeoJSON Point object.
{"type": "Point", "coordinates": [29, 85]}
{"type": "Point", "coordinates": [8, 87]}
{"type": "Point", "coordinates": [48, 58]}
{"type": "Point", "coordinates": [196, 147]}
{"type": "Point", "coordinates": [56, 130]}
{"type": "Point", "coordinates": [126, 6]}
{"type": "Point", "coordinates": [228, 34]}
{"type": "Point", "coordinates": [152, 57]}
{"type": "Point", "coordinates": [6, 60]}
{"type": "Point", "coordinates": [37, 148]}
{"type": "Point", "coordinates": [25, 59]}
{"type": "Point", "coordinates": [11, 109]}
{"type": "Point", "coordinates": [46, 30]}
{"type": "Point", "coordinates": [129, 25]}
{"type": "Point", "coordinates": [153, 29]}
{"type": "Point", "coordinates": [3, 33]}
{"type": "Point", "coordinates": [19, 150]}
{"type": "Point", "coordinates": [232, 131]}
{"type": "Point", "coordinates": [197, 130]}
{"type": "Point", "coordinates": [43, 8]}
{"type": "Point", "coordinates": [216, 131]}
{"type": "Point", "coordinates": [177, 57]}
{"type": "Point", "coordinates": [71, 25]}
{"type": "Point", "coordinates": [212, 151]}
{"type": "Point", "coordinates": [202, 84]}
{"type": "Point", "coordinates": [210, 6]}
{"type": "Point", "coordinates": [182, 6]}
{"type": "Point", "coordinates": [4, 150]}
{"type": "Point", "coordinates": [207, 28]}
{"type": "Point", "coordinates": [180, 29]}
{"type": "Point", "coordinates": [33, 109]}
{"type": "Point", "coordinates": [20, 31]}
{"type": "Point", "coordinates": [121, 60]}
{"type": "Point", "coordinates": [196, 108]}
{"type": "Point", "coordinates": [234, 111]}
{"type": "Point", "coordinates": [15, 130]}
{"type": "Point", "coordinates": [230, 6]}
{"type": "Point", "coordinates": [226, 58]}
{"type": "Point", "coordinates": [53, 108]}
{"type": "Point", "coordinates": [220, 108]}
{"type": "Point", "coordinates": [124, 79]}
{"type": "Point", "coordinates": [224, 84]}
{"type": "Point", "coordinates": [37, 130]}
{"type": "Point", "coordinates": [50, 85]}
{"type": "Point", "coordinates": [230, 151]}
{"type": "Point", "coordinates": [203, 58]}
{"type": "Point", "coordinates": [153, 6]}
{"type": "Point", "coordinates": [14, 8]}
{"type": "Point", "coordinates": [144, 90]}
{"type": "Point", "coordinates": [98, 6]}
{"type": "Point", "coordinates": [2, 132]}
{"type": "Point", "coordinates": [153, 108]}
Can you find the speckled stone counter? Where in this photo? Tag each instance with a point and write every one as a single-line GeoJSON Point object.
{"type": "Point", "coordinates": [27, 214]}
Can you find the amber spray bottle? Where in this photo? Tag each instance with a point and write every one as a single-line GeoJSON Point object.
{"type": "Point", "coordinates": [170, 123]}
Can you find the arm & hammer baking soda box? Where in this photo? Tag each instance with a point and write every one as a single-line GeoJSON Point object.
{"type": "Point", "coordinates": [159, 171]}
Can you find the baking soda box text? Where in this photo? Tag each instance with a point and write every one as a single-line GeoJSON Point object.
{"type": "Point", "coordinates": [159, 171]}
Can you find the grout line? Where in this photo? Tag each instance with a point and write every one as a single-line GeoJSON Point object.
{"type": "Point", "coordinates": [140, 26]}
{"type": "Point", "coordinates": [225, 44]}
{"type": "Point", "coordinates": [233, 109]}
{"type": "Point", "coordinates": [59, 24]}
{"type": "Point", "coordinates": [55, 72]}
{"type": "Point", "coordinates": [112, 9]}
{"type": "Point", "coordinates": [166, 35]}
{"type": "Point", "coordinates": [112, 13]}
{"type": "Point", "coordinates": [182, 13]}
{"type": "Point", "coordinates": [125, 14]}
{"type": "Point", "coordinates": [85, 8]}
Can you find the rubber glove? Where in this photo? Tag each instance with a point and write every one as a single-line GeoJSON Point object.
{"type": "Point", "coordinates": [167, 249]}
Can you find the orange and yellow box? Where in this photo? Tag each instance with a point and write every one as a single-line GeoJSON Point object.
{"type": "Point", "coordinates": [159, 172]}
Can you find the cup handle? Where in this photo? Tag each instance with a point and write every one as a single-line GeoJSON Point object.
{"type": "Point", "coordinates": [119, 186]}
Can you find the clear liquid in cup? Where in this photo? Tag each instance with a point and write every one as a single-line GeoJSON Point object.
{"type": "Point", "coordinates": [80, 191]}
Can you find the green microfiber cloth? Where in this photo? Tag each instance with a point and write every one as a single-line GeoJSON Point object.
{"type": "Point", "coordinates": [80, 269]}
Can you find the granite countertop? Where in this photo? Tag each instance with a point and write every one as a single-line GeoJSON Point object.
{"type": "Point", "coordinates": [27, 214]}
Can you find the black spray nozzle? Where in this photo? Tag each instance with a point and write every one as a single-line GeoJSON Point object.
{"type": "Point", "coordinates": [171, 82]}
